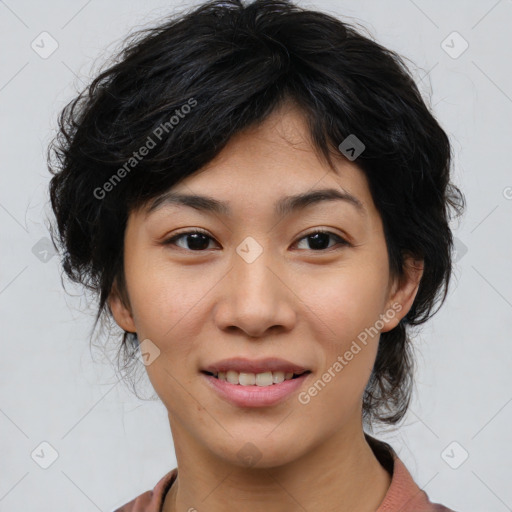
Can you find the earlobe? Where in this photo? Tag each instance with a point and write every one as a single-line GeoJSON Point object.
{"type": "Point", "coordinates": [121, 312]}
{"type": "Point", "coordinates": [404, 293]}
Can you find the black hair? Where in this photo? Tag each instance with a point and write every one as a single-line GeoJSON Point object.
{"type": "Point", "coordinates": [198, 79]}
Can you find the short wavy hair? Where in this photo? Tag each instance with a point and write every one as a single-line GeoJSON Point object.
{"type": "Point", "coordinates": [233, 65]}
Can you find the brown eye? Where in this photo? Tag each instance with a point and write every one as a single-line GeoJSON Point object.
{"type": "Point", "coordinates": [196, 240]}
{"type": "Point", "coordinates": [319, 240]}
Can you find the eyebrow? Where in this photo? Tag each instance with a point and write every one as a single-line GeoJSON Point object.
{"type": "Point", "coordinates": [282, 207]}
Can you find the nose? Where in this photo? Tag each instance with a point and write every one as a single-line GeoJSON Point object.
{"type": "Point", "coordinates": [254, 298]}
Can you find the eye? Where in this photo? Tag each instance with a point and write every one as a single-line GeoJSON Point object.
{"type": "Point", "coordinates": [198, 240]}
{"type": "Point", "coordinates": [318, 240]}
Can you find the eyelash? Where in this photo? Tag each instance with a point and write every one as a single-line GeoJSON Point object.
{"type": "Point", "coordinates": [341, 241]}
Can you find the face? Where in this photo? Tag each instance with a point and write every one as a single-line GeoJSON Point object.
{"type": "Point", "coordinates": [307, 284]}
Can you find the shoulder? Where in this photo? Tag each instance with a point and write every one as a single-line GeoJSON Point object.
{"type": "Point", "coordinates": [151, 501]}
{"type": "Point", "coordinates": [403, 493]}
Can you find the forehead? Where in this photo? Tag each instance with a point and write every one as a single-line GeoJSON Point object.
{"type": "Point", "coordinates": [272, 165]}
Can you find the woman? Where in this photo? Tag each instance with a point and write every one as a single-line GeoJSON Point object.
{"type": "Point", "coordinates": [194, 180]}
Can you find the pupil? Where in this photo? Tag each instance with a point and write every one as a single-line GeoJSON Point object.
{"type": "Point", "coordinates": [197, 243]}
{"type": "Point", "coordinates": [317, 239]}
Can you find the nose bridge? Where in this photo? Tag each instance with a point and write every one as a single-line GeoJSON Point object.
{"type": "Point", "coordinates": [252, 278]}
{"type": "Point", "coordinates": [255, 299]}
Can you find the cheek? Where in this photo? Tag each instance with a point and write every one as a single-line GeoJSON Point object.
{"type": "Point", "coordinates": [166, 307]}
{"type": "Point", "coordinates": [346, 300]}
{"type": "Point", "coordinates": [166, 299]}
{"type": "Point", "coordinates": [344, 307]}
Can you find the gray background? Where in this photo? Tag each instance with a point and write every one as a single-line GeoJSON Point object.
{"type": "Point", "coordinates": [112, 446]}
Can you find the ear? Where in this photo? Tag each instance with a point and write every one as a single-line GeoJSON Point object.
{"type": "Point", "coordinates": [403, 292]}
{"type": "Point", "coordinates": [120, 309]}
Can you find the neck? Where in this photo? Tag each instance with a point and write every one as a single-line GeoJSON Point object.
{"type": "Point", "coordinates": [343, 474]}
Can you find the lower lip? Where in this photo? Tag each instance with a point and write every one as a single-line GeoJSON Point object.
{"type": "Point", "coordinates": [255, 396]}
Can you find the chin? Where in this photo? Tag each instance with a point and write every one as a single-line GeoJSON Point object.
{"type": "Point", "coordinates": [259, 451]}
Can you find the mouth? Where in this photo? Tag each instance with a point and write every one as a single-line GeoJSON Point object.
{"type": "Point", "coordinates": [254, 390]}
{"type": "Point", "coordinates": [263, 379]}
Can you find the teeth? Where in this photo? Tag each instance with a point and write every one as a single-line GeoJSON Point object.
{"type": "Point", "coordinates": [251, 379]}
{"type": "Point", "coordinates": [264, 379]}
{"type": "Point", "coordinates": [278, 377]}
{"type": "Point", "coordinates": [232, 377]}
{"type": "Point", "coordinates": [247, 379]}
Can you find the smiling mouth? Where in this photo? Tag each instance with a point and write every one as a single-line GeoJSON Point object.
{"type": "Point", "coordinates": [256, 379]}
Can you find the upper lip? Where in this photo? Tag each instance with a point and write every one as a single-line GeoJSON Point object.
{"type": "Point", "coordinates": [243, 365]}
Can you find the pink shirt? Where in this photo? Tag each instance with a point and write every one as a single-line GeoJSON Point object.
{"type": "Point", "coordinates": [403, 494]}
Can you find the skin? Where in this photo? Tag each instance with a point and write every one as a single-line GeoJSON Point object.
{"type": "Point", "coordinates": [303, 304]}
